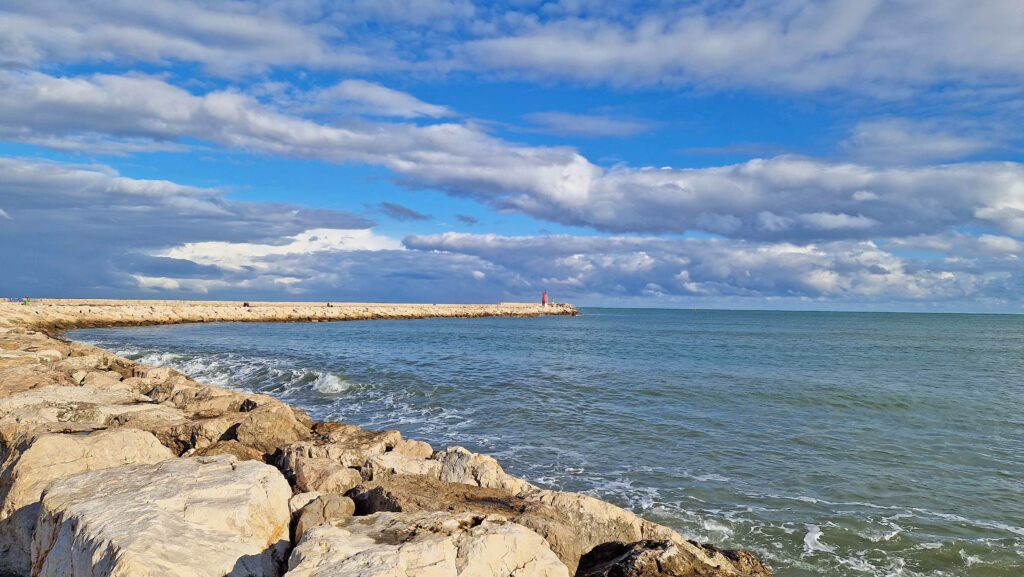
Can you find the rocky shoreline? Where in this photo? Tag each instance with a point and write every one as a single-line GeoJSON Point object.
{"type": "Point", "coordinates": [112, 468]}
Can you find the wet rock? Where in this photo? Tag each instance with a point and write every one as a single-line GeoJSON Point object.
{"type": "Point", "coordinates": [201, 517]}
{"type": "Point", "coordinates": [423, 544]}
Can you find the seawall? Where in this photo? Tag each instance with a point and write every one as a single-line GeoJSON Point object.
{"type": "Point", "coordinates": [110, 467]}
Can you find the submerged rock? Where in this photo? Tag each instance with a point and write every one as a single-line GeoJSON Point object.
{"type": "Point", "coordinates": [200, 517]}
{"type": "Point", "coordinates": [424, 545]}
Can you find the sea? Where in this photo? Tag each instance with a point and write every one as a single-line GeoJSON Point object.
{"type": "Point", "coordinates": [830, 444]}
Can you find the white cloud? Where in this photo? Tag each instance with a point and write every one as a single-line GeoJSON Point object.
{"type": "Point", "coordinates": [879, 46]}
{"type": "Point", "coordinates": [239, 255]}
{"type": "Point", "coordinates": [227, 38]}
{"type": "Point", "coordinates": [780, 198]}
{"type": "Point", "coordinates": [372, 98]}
{"type": "Point", "coordinates": [4, 215]}
{"type": "Point", "coordinates": [631, 266]}
{"type": "Point", "coordinates": [900, 141]}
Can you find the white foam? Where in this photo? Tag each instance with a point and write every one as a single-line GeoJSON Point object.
{"type": "Point", "coordinates": [329, 384]}
{"type": "Point", "coordinates": [812, 541]}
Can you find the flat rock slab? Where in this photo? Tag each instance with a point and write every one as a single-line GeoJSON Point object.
{"type": "Point", "coordinates": [200, 517]}
{"type": "Point", "coordinates": [424, 545]}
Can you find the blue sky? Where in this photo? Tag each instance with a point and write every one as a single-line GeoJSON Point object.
{"type": "Point", "coordinates": [772, 154]}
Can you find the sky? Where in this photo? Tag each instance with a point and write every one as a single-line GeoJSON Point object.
{"type": "Point", "coordinates": [776, 154]}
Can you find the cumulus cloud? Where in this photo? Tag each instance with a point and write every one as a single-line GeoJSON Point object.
{"type": "Point", "coordinates": [636, 267]}
{"type": "Point", "coordinates": [782, 198]}
{"type": "Point", "coordinates": [70, 226]}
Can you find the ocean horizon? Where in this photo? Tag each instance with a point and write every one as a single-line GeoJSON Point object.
{"type": "Point", "coordinates": [829, 443]}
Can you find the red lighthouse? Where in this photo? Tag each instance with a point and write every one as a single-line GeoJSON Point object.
{"type": "Point", "coordinates": [544, 299]}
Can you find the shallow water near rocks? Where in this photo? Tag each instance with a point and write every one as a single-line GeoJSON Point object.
{"type": "Point", "coordinates": [836, 444]}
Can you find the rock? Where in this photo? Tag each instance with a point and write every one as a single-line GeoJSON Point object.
{"type": "Point", "coordinates": [323, 510]}
{"type": "Point", "coordinates": [101, 379]}
{"type": "Point", "coordinates": [271, 427]}
{"type": "Point", "coordinates": [655, 559]}
{"type": "Point", "coordinates": [233, 448]}
{"type": "Point", "coordinates": [413, 449]}
{"type": "Point", "coordinates": [395, 463]}
{"type": "Point", "coordinates": [599, 522]}
{"type": "Point", "coordinates": [459, 465]}
{"type": "Point", "coordinates": [28, 471]}
{"type": "Point", "coordinates": [56, 409]}
{"type": "Point", "coordinates": [411, 494]}
{"type": "Point", "coordinates": [300, 500]}
{"type": "Point", "coordinates": [572, 524]}
{"type": "Point", "coordinates": [20, 378]}
{"type": "Point", "coordinates": [324, 476]}
{"type": "Point", "coordinates": [200, 517]}
{"type": "Point", "coordinates": [347, 445]}
{"type": "Point", "coordinates": [423, 545]}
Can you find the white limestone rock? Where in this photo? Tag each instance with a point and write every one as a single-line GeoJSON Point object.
{"type": "Point", "coordinates": [200, 517]}
{"type": "Point", "coordinates": [423, 545]}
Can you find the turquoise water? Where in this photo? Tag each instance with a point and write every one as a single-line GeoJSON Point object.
{"type": "Point", "coordinates": [836, 444]}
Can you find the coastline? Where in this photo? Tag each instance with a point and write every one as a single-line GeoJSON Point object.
{"type": "Point", "coordinates": [303, 480]}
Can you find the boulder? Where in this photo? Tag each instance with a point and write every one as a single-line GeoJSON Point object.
{"type": "Point", "coordinates": [324, 476]}
{"type": "Point", "coordinates": [199, 517]}
{"type": "Point", "coordinates": [70, 409]}
{"type": "Point", "coordinates": [19, 378]}
{"type": "Point", "coordinates": [572, 524]}
{"type": "Point", "coordinates": [300, 500]}
{"type": "Point", "coordinates": [423, 545]}
{"type": "Point", "coordinates": [413, 449]}
{"type": "Point", "coordinates": [270, 427]}
{"type": "Point", "coordinates": [657, 559]}
{"type": "Point", "coordinates": [323, 510]}
{"type": "Point", "coordinates": [233, 448]}
{"type": "Point", "coordinates": [459, 465]}
{"type": "Point", "coordinates": [395, 463]}
{"type": "Point", "coordinates": [48, 457]}
{"type": "Point", "coordinates": [346, 445]}
{"type": "Point", "coordinates": [415, 494]}
{"type": "Point", "coordinates": [101, 379]}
